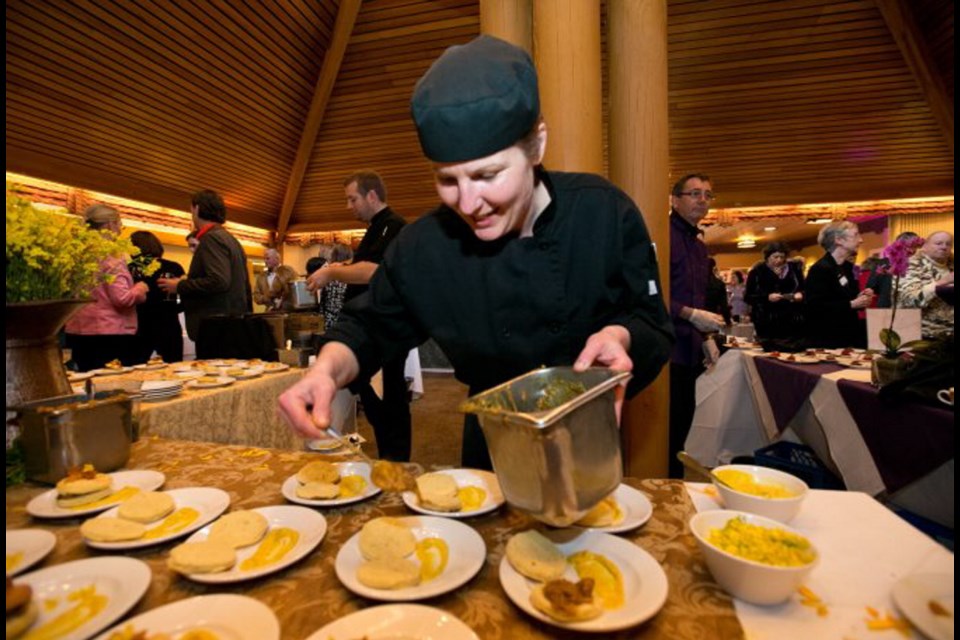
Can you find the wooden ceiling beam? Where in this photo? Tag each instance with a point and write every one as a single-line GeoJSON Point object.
{"type": "Point", "coordinates": [905, 31]}
{"type": "Point", "coordinates": [346, 18]}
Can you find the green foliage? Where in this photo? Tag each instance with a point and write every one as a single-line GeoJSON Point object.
{"type": "Point", "coordinates": [53, 255]}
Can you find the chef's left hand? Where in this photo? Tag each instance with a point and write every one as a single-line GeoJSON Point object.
{"type": "Point", "coordinates": [608, 347]}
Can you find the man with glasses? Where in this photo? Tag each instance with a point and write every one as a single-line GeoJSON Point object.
{"type": "Point", "coordinates": [690, 201]}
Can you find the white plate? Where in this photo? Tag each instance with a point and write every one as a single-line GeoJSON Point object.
{"type": "Point", "coordinates": [208, 502]}
{"type": "Point", "coordinates": [228, 615]}
{"type": "Point", "coordinates": [466, 557]}
{"type": "Point", "coordinates": [222, 381]}
{"type": "Point", "coordinates": [76, 376]}
{"type": "Point", "coordinates": [308, 523]}
{"type": "Point", "coordinates": [798, 358]}
{"type": "Point", "coordinates": [913, 596]}
{"type": "Point", "coordinates": [644, 583]}
{"type": "Point", "coordinates": [391, 621]}
{"type": "Point", "coordinates": [274, 367]}
{"type": "Point", "coordinates": [32, 546]}
{"type": "Point", "coordinates": [112, 372]}
{"type": "Point", "coordinates": [189, 374]}
{"type": "Point", "coordinates": [636, 508]}
{"type": "Point", "coordinates": [253, 372]}
{"type": "Point", "coordinates": [121, 580]}
{"type": "Point", "coordinates": [362, 469]}
{"type": "Point", "coordinates": [45, 504]}
{"type": "Point", "coordinates": [854, 363]}
{"type": "Point", "coordinates": [464, 478]}
{"type": "Point", "coordinates": [150, 367]}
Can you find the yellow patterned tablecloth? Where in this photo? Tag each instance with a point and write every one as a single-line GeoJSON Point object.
{"type": "Point", "coordinates": [244, 412]}
{"type": "Point", "coordinates": [308, 594]}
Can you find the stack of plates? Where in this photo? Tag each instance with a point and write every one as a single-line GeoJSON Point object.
{"type": "Point", "coordinates": [152, 390]}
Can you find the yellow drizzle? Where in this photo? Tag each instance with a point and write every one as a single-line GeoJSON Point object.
{"type": "Point", "coordinates": [608, 581]}
{"type": "Point", "coordinates": [176, 521]}
{"type": "Point", "coordinates": [351, 486]}
{"type": "Point", "coordinates": [118, 496]}
{"type": "Point", "coordinates": [199, 634]}
{"type": "Point", "coordinates": [89, 604]}
{"type": "Point", "coordinates": [433, 554]}
{"type": "Point", "coordinates": [276, 544]}
{"type": "Point", "coordinates": [471, 498]}
{"type": "Point", "coordinates": [14, 560]}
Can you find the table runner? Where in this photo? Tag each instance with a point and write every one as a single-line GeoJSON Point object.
{"type": "Point", "coordinates": [308, 595]}
{"type": "Point", "coordinates": [788, 385]}
{"type": "Point", "coordinates": [907, 440]}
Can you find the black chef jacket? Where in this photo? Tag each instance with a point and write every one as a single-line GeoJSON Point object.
{"type": "Point", "coordinates": [501, 308]}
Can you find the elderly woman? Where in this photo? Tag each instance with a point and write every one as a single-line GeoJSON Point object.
{"type": "Point", "coordinates": [928, 285]}
{"type": "Point", "coordinates": [496, 274]}
{"type": "Point", "coordinates": [775, 292]}
{"type": "Point", "coordinates": [833, 296]}
{"type": "Point", "coordinates": [106, 329]}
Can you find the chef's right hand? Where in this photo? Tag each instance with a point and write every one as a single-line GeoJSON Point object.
{"type": "Point", "coordinates": [706, 321]}
{"type": "Point", "coordinates": [306, 405]}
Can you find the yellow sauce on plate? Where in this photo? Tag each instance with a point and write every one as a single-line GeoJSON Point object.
{"type": "Point", "coordinates": [277, 543]}
{"type": "Point", "coordinates": [433, 554]}
{"type": "Point", "coordinates": [607, 579]}
{"type": "Point", "coordinates": [471, 498]}
{"type": "Point", "coordinates": [89, 603]}
{"type": "Point", "coordinates": [14, 560]}
{"type": "Point", "coordinates": [351, 486]}
{"type": "Point", "coordinates": [176, 521]}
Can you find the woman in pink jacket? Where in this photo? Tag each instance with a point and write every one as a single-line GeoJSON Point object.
{"type": "Point", "coordinates": [105, 330]}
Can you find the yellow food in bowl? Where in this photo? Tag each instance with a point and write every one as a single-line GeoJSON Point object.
{"type": "Point", "coordinates": [744, 483]}
{"type": "Point", "coordinates": [776, 547]}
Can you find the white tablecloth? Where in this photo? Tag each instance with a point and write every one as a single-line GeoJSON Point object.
{"type": "Point", "coordinates": [733, 417]}
{"type": "Point", "coordinates": [864, 550]}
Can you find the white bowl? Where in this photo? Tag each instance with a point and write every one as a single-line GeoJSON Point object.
{"type": "Point", "coordinates": [782, 509]}
{"type": "Point", "coordinates": [748, 580]}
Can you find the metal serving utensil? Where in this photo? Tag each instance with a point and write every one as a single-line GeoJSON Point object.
{"type": "Point", "coordinates": [691, 463]}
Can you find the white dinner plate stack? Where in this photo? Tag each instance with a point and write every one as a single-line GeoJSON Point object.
{"type": "Point", "coordinates": [154, 390]}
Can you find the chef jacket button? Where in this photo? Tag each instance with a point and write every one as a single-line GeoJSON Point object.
{"type": "Point", "coordinates": [505, 332]}
{"type": "Point", "coordinates": [555, 327]}
{"type": "Point", "coordinates": [543, 246]}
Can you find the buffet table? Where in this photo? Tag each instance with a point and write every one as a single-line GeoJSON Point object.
{"type": "Point", "coordinates": [308, 594]}
{"type": "Point", "coordinates": [902, 450]}
{"type": "Point", "coordinates": [245, 412]}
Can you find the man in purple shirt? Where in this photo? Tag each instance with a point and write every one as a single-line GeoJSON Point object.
{"type": "Point", "coordinates": [689, 272]}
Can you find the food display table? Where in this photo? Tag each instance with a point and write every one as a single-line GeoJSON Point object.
{"type": "Point", "coordinates": [308, 595]}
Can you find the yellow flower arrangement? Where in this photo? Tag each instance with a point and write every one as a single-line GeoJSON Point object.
{"type": "Point", "coordinates": [52, 256]}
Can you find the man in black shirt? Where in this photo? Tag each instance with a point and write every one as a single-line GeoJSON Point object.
{"type": "Point", "coordinates": [389, 416]}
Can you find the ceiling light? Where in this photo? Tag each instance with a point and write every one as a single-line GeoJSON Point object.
{"type": "Point", "coordinates": [746, 243]}
{"type": "Point", "coordinates": [819, 220]}
{"type": "Point", "coordinates": [769, 229]}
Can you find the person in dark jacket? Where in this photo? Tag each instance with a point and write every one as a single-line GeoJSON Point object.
{"type": "Point", "coordinates": [496, 275]}
{"type": "Point", "coordinates": [217, 282]}
{"type": "Point", "coordinates": [833, 296]}
{"type": "Point", "coordinates": [158, 318]}
{"type": "Point", "coordinates": [775, 294]}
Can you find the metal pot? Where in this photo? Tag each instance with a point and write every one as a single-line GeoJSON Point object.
{"type": "Point", "coordinates": [555, 463]}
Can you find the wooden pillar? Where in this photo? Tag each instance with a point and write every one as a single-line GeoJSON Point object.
{"type": "Point", "coordinates": [510, 20]}
{"type": "Point", "coordinates": [639, 164]}
{"type": "Point", "coordinates": [566, 47]}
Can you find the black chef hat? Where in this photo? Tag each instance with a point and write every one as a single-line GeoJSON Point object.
{"type": "Point", "coordinates": [475, 100]}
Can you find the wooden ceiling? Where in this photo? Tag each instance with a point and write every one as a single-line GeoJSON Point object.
{"type": "Point", "coordinates": [786, 102]}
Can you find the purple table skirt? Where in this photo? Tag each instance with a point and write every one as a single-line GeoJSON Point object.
{"type": "Point", "coordinates": [788, 386]}
{"type": "Point", "coordinates": [907, 439]}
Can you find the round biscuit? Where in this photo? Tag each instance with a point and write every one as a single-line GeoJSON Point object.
{"type": "Point", "coordinates": [535, 556]}
{"type": "Point", "coordinates": [18, 624]}
{"type": "Point", "coordinates": [239, 529]}
{"type": "Point", "coordinates": [389, 573]}
{"type": "Point", "coordinates": [146, 507]}
{"type": "Point", "coordinates": [201, 557]}
{"type": "Point", "coordinates": [386, 538]}
{"type": "Point", "coordinates": [318, 491]}
{"type": "Point", "coordinates": [318, 471]}
{"type": "Point", "coordinates": [111, 530]}
{"type": "Point", "coordinates": [80, 486]}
